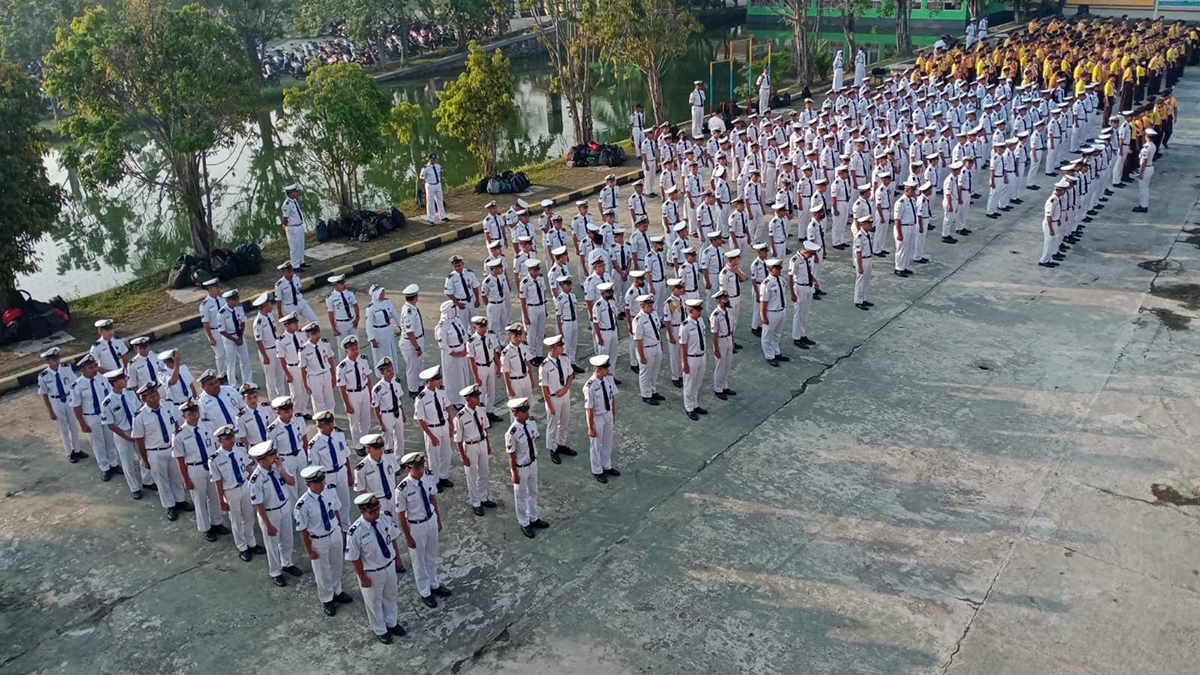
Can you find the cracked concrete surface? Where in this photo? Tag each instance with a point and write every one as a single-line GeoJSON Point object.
{"type": "Point", "coordinates": [957, 482]}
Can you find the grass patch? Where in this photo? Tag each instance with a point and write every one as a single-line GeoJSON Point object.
{"type": "Point", "coordinates": [135, 299]}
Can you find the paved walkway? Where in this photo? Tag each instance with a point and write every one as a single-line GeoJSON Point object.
{"type": "Point", "coordinates": [958, 481]}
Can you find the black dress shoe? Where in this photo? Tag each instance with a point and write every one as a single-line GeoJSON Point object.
{"type": "Point", "coordinates": [565, 451]}
{"type": "Point", "coordinates": [800, 344]}
{"type": "Point", "coordinates": [152, 488]}
{"type": "Point", "coordinates": [554, 458]}
{"type": "Point", "coordinates": [1138, 209]}
{"type": "Point", "coordinates": [898, 273]}
{"type": "Point", "coordinates": [774, 363]}
{"type": "Point", "coordinates": [1087, 219]}
{"type": "Point", "coordinates": [477, 510]}
{"type": "Point", "coordinates": [949, 240]}
{"type": "Point", "coordinates": [493, 417]}
{"type": "Point", "coordinates": [528, 531]}
{"type": "Point", "coordinates": [429, 601]}
{"type": "Point", "coordinates": [172, 513]}
{"type": "Point", "coordinates": [922, 260]}
{"type": "Point", "coordinates": [885, 252]}
{"type": "Point", "coordinates": [397, 630]}
{"type": "Point", "coordinates": [600, 478]}
{"type": "Point", "coordinates": [73, 458]}
{"type": "Point", "coordinates": [693, 416]}
{"type": "Point", "coordinates": [488, 504]}
{"type": "Point", "coordinates": [756, 332]}
{"type": "Point", "coordinates": [444, 483]}
{"type": "Point", "coordinates": [778, 357]}
{"type": "Point", "coordinates": [1049, 264]}
{"type": "Point", "coordinates": [658, 397]}
{"type": "Point", "coordinates": [1120, 185]}
{"type": "Point", "coordinates": [258, 549]}
{"type": "Point", "coordinates": [976, 196]}
{"type": "Point", "coordinates": [721, 395]}
{"type": "Point", "coordinates": [807, 341]}
{"type": "Point", "coordinates": [210, 535]}
{"type": "Point", "coordinates": [294, 571]}
{"type": "Point", "coordinates": [539, 524]}
{"type": "Point", "coordinates": [1034, 187]}
{"type": "Point", "coordinates": [993, 216]}
{"type": "Point", "coordinates": [385, 638]}
{"type": "Point", "coordinates": [649, 401]}
{"type": "Point", "coordinates": [118, 469]}
{"type": "Point", "coordinates": [106, 475]}
{"type": "Point", "coordinates": [1018, 201]}
{"type": "Point", "coordinates": [1006, 208]}
{"type": "Point", "coordinates": [730, 392]}
{"type": "Point", "coordinates": [1059, 256]}
{"type": "Point", "coordinates": [441, 592]}
{"type": "Point", "coordinates": [279, 581]}
{"type": "Point", "coordinates": [330, 608]}
{"type": "Point", "coordinates": [700, 411]}
{"type": "Point", "coordinates": [678, 383]}
{"type": "Point", "coordinates": [612, 472]}
{"type": "Point", "coordinates": [1108, 193]}
{"type": "Point", "coordinates": [577, 369]}
{"type": "Point", "coordinates": [633, 367]}
{"type": "Point", "coordinates": [220, 529]}
{"type": "Point", "coordinates": [246, 556]}
{"type": "Point", "coordinates": [136, 494]}
{"type": "Point", "coordinates": [862, 307]}
{"type": "Point", "coordinates": [616, 381]}
{"type": "Point", "coordinates": [343, 598]}
{"type": "Point", "coordinates": [868, 303]}
{"type": "Point", "coordinates": [186, 506]}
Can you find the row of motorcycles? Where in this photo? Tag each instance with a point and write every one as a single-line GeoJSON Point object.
{"type": "Point", "coordinates": [422, 38]}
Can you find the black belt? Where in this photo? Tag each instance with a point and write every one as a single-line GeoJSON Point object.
{"type": "Point", "coordinates": [517, 377]}
{"type": "Point", "coordinates": [383, 326]}
{"type": "Point", "coordinates": [58, 398]}
{"type": "Point", "coordinates": [568, 320]}
{"type": "Point", "coordinates": [291, 454]}
{"type": "Point", "coordinates": [194, 463]}
{"type": "Point", "coordinates": [278, 507]}
{"type": "Point", "coordinates": [695, 356]}
{"type": "Point", "coordinates": [435, 426]}
{"type": "Point", "coordinates": [292, 364]}
{"type": "Point", "coordinates": [165, 447]}
{"type": "Point", "coordinates": [355, 391]}
{"type": "Point", "coordinates": [531, 462]}
{"type": "Point", "coordinates": [387, 412]}
{"type": "Point", "coordinates": [495, 302]}
{"type": "Point", "coordinates": [538, 304]}
{"type": "Point", "coordinates": [389, 564]}
{"type": "Point", "coordinates": [320, 536]}
{"type": "Point", "coordinates": [418, 522]}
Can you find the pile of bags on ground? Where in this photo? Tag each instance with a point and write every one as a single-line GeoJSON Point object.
{"type": "Point", "coordinates": [503, 184]}
{"type": "Point", "coordinates": [27, 319]}
{"type": "Point", "coordinates": [596, 154]}
{"type": "Point", "coordinates": [362, 226]}
{"type": "Point", "coordinates": [224, 264]}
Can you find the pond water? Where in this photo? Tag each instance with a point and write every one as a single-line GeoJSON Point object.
{"type": "Point", "coordinates": [106, 238]}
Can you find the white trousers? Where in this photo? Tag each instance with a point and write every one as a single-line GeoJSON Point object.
{"type": "Point", "coordinates": [393, 433]}
{"type": "Point", "coordinates": [131, 463]}
{"type": "Point", "coordinates": [237, 362]}
{"type": "Point", "coordinates": [219, 351]}
{"type": "Point", "coordinates": [558, 423]}
{"type": "Point", "coordinates": [380, 599]}
{"type": "Point", "coordinates": [536, 330]}
{"type": "Point", "coordinates": [995, 197]}
{"type": "Point", "coordinates": [67, 426]}
{"type": "Point", "coordinates": [1144, 187]}
{"type": "Point", "coordinates": [322, 392]}
{"type": "Point", "coordinates": [413, 365]}
{"type": "Point", "coordinates": [435, 207]}
{"type": "Point", "coordinates": [104, 450]}
{"type": "Point", "coordinates": [676, 360]}
{"type": "Point", "coordinates": [649, 176]}
{"type": "Point", "coordinates": [698, 120]}
{"type": "Point", "coordinates": [424, 556]}
{"type": "Point", "coordinates": [302, 309]}
{"type": "Point", "coordinates": [279, 547]}
{"type": "Point", "coordinates": [438, 456]}
{"type": "Point", "coordinates": [1115, 178]}
{"type": "Point", "coordinates": [327, 568]}
{"type": "Point", "coordinates": [296, 387]}
{"type": "Point", "coordinates": [841, 231]}
{"type": "Point", "coordinates": [241, 516]}
{"type": "Point", "coordinates": [764, 100]}
{"type": "Point", "coordinates": [771, 334]}
{"type": "Point", "coordinates": [804, 296]}
{"type": "Point", "coordinates": [600, 446]}
{"type": "Point", "coordinates": [360, 419]}
{"type": "Point", "coordinates": [525, 494]}
{"type": "Point", "coordinates": [905, 249]}
{"type": "Point", "coordinates": [570, 336]}
{"type": "Point", "coordinates": [609, 347]}
{"type": "Point", "coordinates": [638, 136]}
{"type": "Point", "coordinates": [204, 497]}
{"type": "Point", "coordinates": [166, 474]}
{"type": "Point", "coordinates": [387, 346]}
{"type": "Point", "coordinates": [862, 282]}
{"type": "Point", "coordinates": [295, 239]}
{"type": "Point", "coordinates": [693, 378]}
{"type": "Point", "coordinates": [724, 365]}
{"type": "Point", "coordinates": [477, 473]}
{"type": "Point", "coordinates": [274, 376]}
{"type": "Point", "coordinates": [1049, 247]}
{"type": "Point", "coordinates": [648, 371]}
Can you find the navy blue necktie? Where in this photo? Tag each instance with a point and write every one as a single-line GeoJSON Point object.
{"type": "Point", "coordinates": [95, 398]}
{"type": "Point", "coordinates": [292, 439]}
{"type": "Point", "coordinates": [333, 457]}
{"type": "Point", "coordinates": [387, 489]}
{"type": "Point", "coordinates": [324, 513]}
{"type": "Point", "coordinates": [278, 487]}
{"type": "Point", "coordinates": [150, 365]}
{"type": "Point", "coordinates": [125, 407]}
{"type": "Point", "coordinates": [200, 445]}
{"type": "Point", "coordinates": [62, 393]}
{"type": "Point", "coordinates": [383, 545]}
{"type": "Point", "coordinates": [224, 410]}
{"type": "Point", "coordinates": [162, 426]}
{"type": "Point", "coordinates": [262, 428]}
{"type": "Point", "coordinates": [233, 462]}
{"type": "Point", "coordinates": [425, 500]}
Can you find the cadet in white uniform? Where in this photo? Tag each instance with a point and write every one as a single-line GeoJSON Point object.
{"type": "Point", "coordinates": [1145, 171]}
{"type": "Point", "coordinates": [266, 338]}
{"type": "Point", "coordinates": [772, 303]}
{"type": "Point", "coordinates": [647, 340]}
{"type": "Point", "coordinates": [232, 319]}
{"type": "Point", "coordinates": [600, 406]}
{"type": "Point", "coordinates": [604, 322]}
{"type": "Point", "coordinates": [694, 355]}
{"type": "Point", "coordinates": [271, 501]}
{"type": "Point", "coordinates": [230, 471]}
{"type": "Point", "coordinates": [342, 309]}
{"type": "Point", "coordinates": [420, 520]}
{"type": "Point", "coordinates": [289, 349]}
{"type": "Point", "coordinates": [376, 473]}
{"type": "Point", "coordinates": [484, 362]}
{"type": "Point", "coordinates": [145, 366]}
{"type": "Point", "coordinates": [288, 434]}
{"type": "Point", "coordinates": [372, 547]}
{"type": "Point", "coordinates": [193, 448]}
{"type": "Point", "coordinates": [412, 338]}
{"type": "Point", "coordinates": [153, 428]}
{"type": "Point", "coordinates": [383, 325]}
{"type": "Point", "coordinates": [294, 225]}
{"type": "Point", "coordinates": [435, 207]}
{"type": "Point", "coordinates": [116, 413]}
{"type": "Point", "coordinates": [520, 444]}
{"type": "Point", "coordinates": [722, 325]}
{"type": "Point", "coordinates": [556, 376]}
{"type": "Point", "coordinates": [54, 384]}
{"type": "Point", "coordinates": [85, 397]}
{"type": "Point", "coordinates": [432, 410]}
{"type": "Point", "coordinates": [388, 399]}
{"type": "Point", "coordinates": [289, 295]}
{"type": "Point", "coordinates": [515, 364]}
{"type": "Point", "coordinates": [316, 368]}
{"type": "Point", "coordinates": [862, 262]}
{"type": "Point", "coordinates": [110, 351]}
{"type": "Point", "coordinates": [452, 341]}
{"type": "Point", "coordinates": [696, 101]}
{"type": "Point", "coordinates": [471, 433]}
{"type": "Point", "coordinates": [533, 307]}
{"type": "Point", "coordinates": [209, 307]}
{"type": "Point", "coordinates": [462, 288]}
{"type": "Point", "coordinates": [319, 521]}
{"type": "Point", "coordinates": [496, 293]}
{"type": "Point", "coordinates": [803, 282]}
{"type": "Point", "coordinates": [354, 384]}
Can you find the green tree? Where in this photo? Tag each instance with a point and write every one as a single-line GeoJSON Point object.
{"type": "Point", "coordinates": [402, 123]}
{"type": "Point", "coordinates": [571, 37]}
{"type": "Point", "coordinates": [339, 122]}
{"type": "Point", "coordinates": [28, 202]}
{"type": "Point", "coordinates": [795, 14]}
{"type": "Point", "coordinates": [476, 107]}
{"type": "Point", "coordinates": [174, 79]}
{"type": "Point", "coordinates": [647, 34]}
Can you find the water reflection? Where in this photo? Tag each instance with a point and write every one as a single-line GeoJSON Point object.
{"type": "Point", "coordinates": [105, 239]}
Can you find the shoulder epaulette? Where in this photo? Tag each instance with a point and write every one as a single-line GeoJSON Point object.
{"type": "Point", "coordinates": [352, 528]}
{"type": "Point", "coordinates": [361, 464]}
{"type": "Point", "coordinates": [422, 394]}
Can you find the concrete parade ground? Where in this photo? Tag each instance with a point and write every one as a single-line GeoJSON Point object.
{"type": "Point", "coordinates": [956, 481]}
